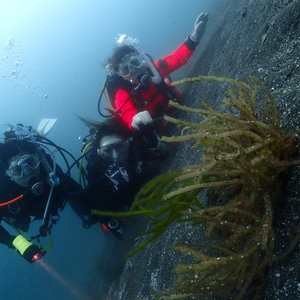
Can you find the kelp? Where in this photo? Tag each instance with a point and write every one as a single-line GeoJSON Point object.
{"type": "Point", "coordinates": [150, 202]}
{"type": "Point", "coordinates": [245, 152]}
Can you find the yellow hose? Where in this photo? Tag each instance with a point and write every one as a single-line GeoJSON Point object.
{"type": "Point", "coordinates": [81, 161]}
{"type": "Point", "coordinates": [105, 96]}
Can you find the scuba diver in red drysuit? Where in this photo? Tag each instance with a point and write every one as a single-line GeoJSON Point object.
{"type": "Point", "coordinates": [142, 95]}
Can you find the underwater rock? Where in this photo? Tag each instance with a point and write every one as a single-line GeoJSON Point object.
{"type": "Point", "coordinates": [235, 50]}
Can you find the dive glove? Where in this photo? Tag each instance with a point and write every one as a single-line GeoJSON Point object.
{"type": "Point", "coordinates": [143, 125]}
{"type": "Point", "coordinates": [199, 28]}
{"type": "Point", "coordinates": [140, 119]}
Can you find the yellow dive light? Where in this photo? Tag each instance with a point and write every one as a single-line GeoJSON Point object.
{"type": "Point", "coordinates": [27, 249]}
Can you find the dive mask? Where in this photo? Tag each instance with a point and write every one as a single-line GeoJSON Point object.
{"type": "Point", "coordinates": [130, 65]}
{"type": "Point", "coordinates": [18, 167]}
{"type": "Point", "coordinates": [114, 149]}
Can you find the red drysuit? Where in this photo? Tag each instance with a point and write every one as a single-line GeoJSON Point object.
{"type": "Point", "coordinates": [165, 66]}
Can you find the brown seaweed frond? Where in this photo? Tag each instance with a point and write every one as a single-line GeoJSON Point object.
{"type": "Point", "coordinates": [244, 155]}
{"type": "Point", "coordinates": [247, 152]}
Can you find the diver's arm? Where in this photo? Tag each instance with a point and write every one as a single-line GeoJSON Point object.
{"type": "Point", "coordinates": [124, 103]}
{"type": "Point", "coordinates": [6, 238]}
{"type": "Point", "coordinates": [80, 208]}
{"type": "Point", "coordinates": [26, 249]}
{"type": "Point", "coordinates": [180, 57]}
{"type": "Point", "coordinates": [70, 187]}
{"type": "Point", "coordinates": [173, 62]}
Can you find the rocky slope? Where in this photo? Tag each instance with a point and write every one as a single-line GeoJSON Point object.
{"type": "Point", "coordinates": [248, 37]}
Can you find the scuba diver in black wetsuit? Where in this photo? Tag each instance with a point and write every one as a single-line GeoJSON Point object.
{"type": "Point", "coordinates": [116, 169]}
{"type": "Point", "coordinates": [32, 187]}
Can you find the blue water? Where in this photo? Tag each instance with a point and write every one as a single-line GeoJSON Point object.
{"type": "Point", "coordinates": [51, 66]}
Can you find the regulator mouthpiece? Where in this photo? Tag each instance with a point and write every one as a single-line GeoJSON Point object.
{"type": "Point", "coordinates": [146, 80]}
{"type": "Point", "coordinates": [38, 188]}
